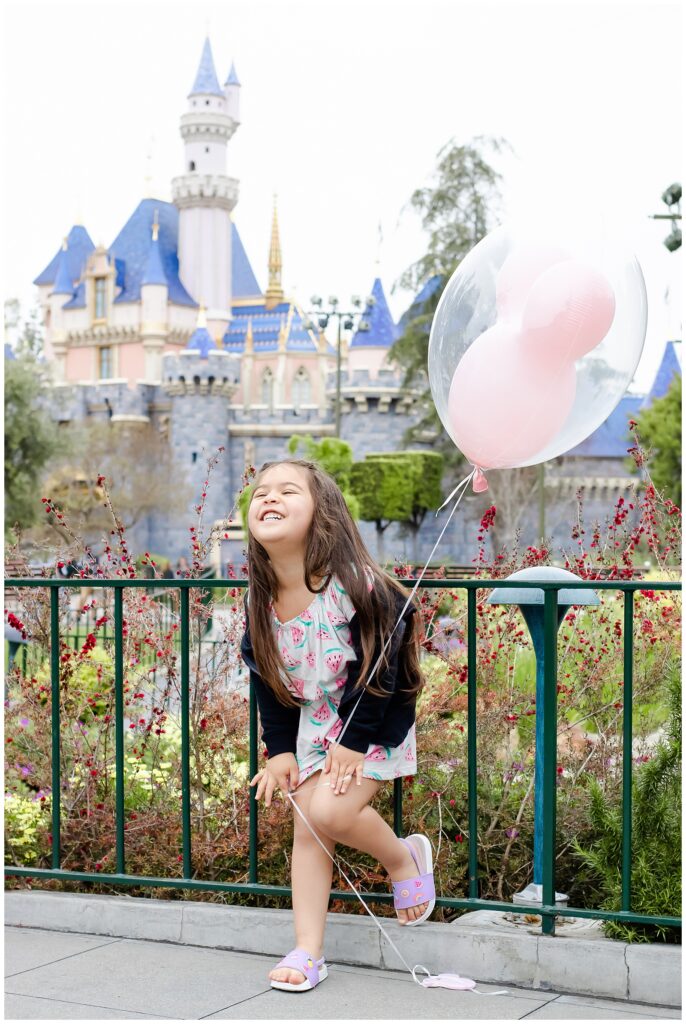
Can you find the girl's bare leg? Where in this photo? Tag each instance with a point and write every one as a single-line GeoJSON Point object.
{"type": "Point", "coordinates": [311, 875]}
{"type": "Point", "coordinates": [345, 818]}
{"type": "Point", "coordinates": [348, 819]}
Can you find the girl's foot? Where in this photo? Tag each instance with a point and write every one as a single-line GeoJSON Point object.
{"type": "Point", "coordinates": [289, 974]}
{"type": "Point", "coordinates": [408, 869]}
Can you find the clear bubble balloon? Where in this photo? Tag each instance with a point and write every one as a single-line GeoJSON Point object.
{"type": "Point", "coordinates": [534, 342]}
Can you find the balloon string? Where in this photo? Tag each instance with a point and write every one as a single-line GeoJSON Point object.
{"type": "Point", "coordinates": [431, 981]}
{"type": "Point", "coordinates": [412, 970]}
{"type": "Point", "coordinates": [453, 492]}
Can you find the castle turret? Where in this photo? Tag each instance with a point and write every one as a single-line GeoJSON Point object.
{"type": "Point", "coordinates": [375, 334]}
{"type": "Point", "coordinates": [154, 316]}
{"type": "Point", "coordinates": [201, 340]}
{"type": "Point", "coordinates": [205, 195]}
{"type": "Point", "coordinates": [232, 92]}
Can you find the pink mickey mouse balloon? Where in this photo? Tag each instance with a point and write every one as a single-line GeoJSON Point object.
{"type": "Point", "coordinates": [534, 342]}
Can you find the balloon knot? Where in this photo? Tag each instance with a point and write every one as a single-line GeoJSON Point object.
{"type": "Point", "coordinates": [479, 481]}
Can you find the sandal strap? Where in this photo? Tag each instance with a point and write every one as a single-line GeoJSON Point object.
{"type": "Point", "coordinates": [300, 960]}
{"type": "Point", "coordinates": [412, 891]}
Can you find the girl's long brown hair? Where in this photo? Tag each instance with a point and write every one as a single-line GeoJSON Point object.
{"type": "Point", "coordinates": [334, 545]}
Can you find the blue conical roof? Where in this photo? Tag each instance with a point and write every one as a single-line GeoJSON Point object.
{"type": "Point", "coordinates": [382, 330]}
{"type": "Point", "coordinates": [669, 367]}
{"type": "Point", "coordinates": [154, 271]}
{"type": "Point", "coordinates": [63, 283]}
{"type": "Point", "coordinates": [416, 307]}
{"type": "Point", "coordinates": [206, 80]}
{"type": "Point", "coordinates": [233, 77]}
{"type": "Point", "coordinates": [201, 341]}
{"type": "Point", "coordinates": [79, 245]}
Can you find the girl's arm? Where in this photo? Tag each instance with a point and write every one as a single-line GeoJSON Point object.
{"type": "Point", "coordinates": [279, 723]}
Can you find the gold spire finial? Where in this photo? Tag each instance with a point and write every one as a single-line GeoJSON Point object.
{"type": "Point", "coordinates": [202, 318]}
{"type": "Point", "coordinates": [155, 227]}
{"type": "Point", "coordinates": [249, 336]}
{"type": "Point", "coordinates": [274, 293]}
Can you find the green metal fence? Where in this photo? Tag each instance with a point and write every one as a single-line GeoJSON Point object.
{"type": "Point", "coordinates": [548, 910]}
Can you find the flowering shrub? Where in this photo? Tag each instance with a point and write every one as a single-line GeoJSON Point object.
{"type": "Point", "coordinates": [590, 705]}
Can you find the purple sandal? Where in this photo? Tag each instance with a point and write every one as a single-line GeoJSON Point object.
{"type": "Point", "coordinates": [300, 960]}
{"type": "Point", "coordinates": [420, 889]}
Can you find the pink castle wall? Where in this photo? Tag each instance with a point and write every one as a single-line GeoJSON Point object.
{"type": "Point", "coordinates": [80, 364]}
{"type": "Point", "coordinates": [131, 362]}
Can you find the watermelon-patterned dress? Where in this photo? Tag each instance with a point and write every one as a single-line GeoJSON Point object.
{"type": "Point", "coordinates": [315, 647]}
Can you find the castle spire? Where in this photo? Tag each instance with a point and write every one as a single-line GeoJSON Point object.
{"type": "Point", "coordinates": [201, 340]}
{"type": "Point", "coordinates": [232, 78]}
{"type": "Point", "coordinates": [274, 293]}
{"type": "Point", "coordinates": [206, 81]}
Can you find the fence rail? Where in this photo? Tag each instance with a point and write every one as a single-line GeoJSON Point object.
{"type": "Point", "coordinates": [548, 909]}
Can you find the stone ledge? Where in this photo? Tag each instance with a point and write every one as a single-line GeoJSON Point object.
{"type": "Point", "coordinates": [593, 967]}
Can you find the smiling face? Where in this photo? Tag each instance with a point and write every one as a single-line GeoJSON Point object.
{"type": "Point", "coordinates": [281, 508]}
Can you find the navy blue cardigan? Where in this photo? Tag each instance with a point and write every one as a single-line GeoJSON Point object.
{"type": "Point", "coordinates": [383, 720]}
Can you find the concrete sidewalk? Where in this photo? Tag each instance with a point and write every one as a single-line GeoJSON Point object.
{"type": "Point", "coordinates": [52, 975]}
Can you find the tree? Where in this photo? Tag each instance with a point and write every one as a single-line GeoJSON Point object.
{"type": "Point", "coordinates": [380, 486]}
{"type": "Point", "coordinates": [659, 426]}
{"type": "Point", "coordinates": [335, 457]}
{"type": "Point", "coordinates": [31, 441]}
{"type": "Point", "coordinates": [137, 463]}
{"type": "Point", "coordinates": [422, 477]}
{"type": "Point", "coordinates": [456, 211]}
{"type": "Point", "coordinates": [397, 487]}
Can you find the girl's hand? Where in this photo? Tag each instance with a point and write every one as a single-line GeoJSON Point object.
{"type": "Point", "coordinates": [281, 771]}
{"type": "Point", "coordinates": [343, 765]}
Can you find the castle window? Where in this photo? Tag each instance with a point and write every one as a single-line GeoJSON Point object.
{"type": "Point", "coordinates": [104, 362]}
{"type": "Point", "coordinates": [301, 391]}
{"type": "Point", "coordinates": [194, 456]}
{"type": "Point", "coordinates": [207, 149]}
{"type": "Point", "coordinates": [191, 165]}
{"type": "Point", "coordinates": [100, 298]}
{"type": "Point", "coordinates": [207, 103]}
{"type": "Point", "coordinates": [268, 388]}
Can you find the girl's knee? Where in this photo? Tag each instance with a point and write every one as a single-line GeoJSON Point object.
{"type": "Point", "coordinates": [329, 813]}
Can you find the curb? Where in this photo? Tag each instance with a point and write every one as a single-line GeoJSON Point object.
{"type": "Point", "coordinates": [648, 973]}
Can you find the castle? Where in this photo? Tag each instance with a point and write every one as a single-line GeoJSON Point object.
{"type": "Point", "coordinates": [168, 326]}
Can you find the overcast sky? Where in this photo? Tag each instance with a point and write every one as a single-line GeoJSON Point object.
{"type": "Point", "coordinates": [344, 106]}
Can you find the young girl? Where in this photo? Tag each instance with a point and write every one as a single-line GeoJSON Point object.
{"type": "Point", "coordinates": [318, 613]}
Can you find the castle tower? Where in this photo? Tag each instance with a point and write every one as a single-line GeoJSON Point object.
{"type": "Point", "coordinates": [200, 381]}
{"type": "Point", "coordinates": [204, 194]}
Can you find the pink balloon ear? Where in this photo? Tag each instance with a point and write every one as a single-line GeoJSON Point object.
{"type": "Point", "coordinates": [568, 312]}
{"type": "Point", "coordinates": [522, 267]}
{"type": "Point", "coordinates": [479, 482]}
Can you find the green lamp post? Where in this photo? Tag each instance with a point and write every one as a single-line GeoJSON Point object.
{"type": "Point", "coordinates": [530, 601]}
